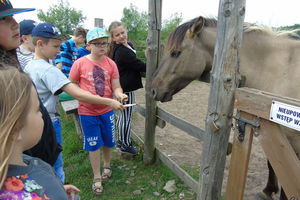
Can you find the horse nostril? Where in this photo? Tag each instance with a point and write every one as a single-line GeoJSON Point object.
{"type": "Point", "coordinates": [153, 92]}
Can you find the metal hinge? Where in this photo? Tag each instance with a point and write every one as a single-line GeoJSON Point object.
{"type": "Point", "coordinates": [241, 123]}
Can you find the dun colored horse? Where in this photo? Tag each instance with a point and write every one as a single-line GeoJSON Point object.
{"type": "Point", "coordinates": [270, 62]}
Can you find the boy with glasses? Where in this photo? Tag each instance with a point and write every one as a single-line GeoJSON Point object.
{"type": "Point", "coordinates": [99, 75]}
{"type": "Point", "coordinates": [50, 81]}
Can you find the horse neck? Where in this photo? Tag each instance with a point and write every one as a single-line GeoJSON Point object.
{"type": "Point", "coordinates": [208, 39]}
{"type": "Point", "coordinates": [270, 63]}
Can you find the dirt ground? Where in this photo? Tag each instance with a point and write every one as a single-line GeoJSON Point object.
{"type": "Point", "coordinates": [190, 104]}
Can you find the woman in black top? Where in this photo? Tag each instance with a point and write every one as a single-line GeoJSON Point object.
{"type": "Point", "coordinates": [130, 69]}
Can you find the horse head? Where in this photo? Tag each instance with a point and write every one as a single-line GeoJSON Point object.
{"type": "Point", "coordinates": [188, 55]}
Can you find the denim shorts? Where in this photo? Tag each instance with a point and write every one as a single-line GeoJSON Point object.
{"type": "Point", "coordinates": [98, 131]}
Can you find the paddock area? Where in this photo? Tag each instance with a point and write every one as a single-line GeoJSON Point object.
{"type": "Point", "coordinates": [191, 105]}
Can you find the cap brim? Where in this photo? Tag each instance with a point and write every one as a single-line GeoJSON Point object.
{"type": "Point", "coordinates": [61, 37]}
{"type": "Point", "coordinates": [14, 11]}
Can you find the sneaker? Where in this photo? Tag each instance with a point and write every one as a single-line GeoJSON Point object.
{"type": "Point", "coordinates": [119, 144]}
{"type": "Point", "coordinates": [128, 149]}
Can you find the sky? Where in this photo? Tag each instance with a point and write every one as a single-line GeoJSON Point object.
{"type": "Point", "coordinates": [272, 13]}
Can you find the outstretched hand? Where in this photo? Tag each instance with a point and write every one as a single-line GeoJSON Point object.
{"type": "Point", "coordinates": [122, 97]}
{"type": "Point", "coordinates": [116, 105]}
{"type": "Point", "coordinates": [71, 190]}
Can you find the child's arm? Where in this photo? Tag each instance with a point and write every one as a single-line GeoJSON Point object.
{"type": "Point", "coordinates": [118, 91]}
{"type": "Point", "coordinates": [82, 95]}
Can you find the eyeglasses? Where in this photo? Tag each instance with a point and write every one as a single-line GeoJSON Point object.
{"type": "Point", "coordinates": [100, 44]}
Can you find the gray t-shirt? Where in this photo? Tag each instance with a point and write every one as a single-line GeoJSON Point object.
{"type": "Point", "coordinates": [38, 178]}
{"type": "Point", "coordinates": [48, 81]}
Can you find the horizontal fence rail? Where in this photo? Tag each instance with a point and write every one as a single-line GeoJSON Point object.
{"type": "Point", "coordinates": [175, 121]}
{"type": "Point", "coordinates": [183, 175]}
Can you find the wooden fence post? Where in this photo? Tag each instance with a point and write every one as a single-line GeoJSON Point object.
{"type": "Point", "coordinates": [152, 63]}
{"type": "Point", "coordinates": [224, 80]}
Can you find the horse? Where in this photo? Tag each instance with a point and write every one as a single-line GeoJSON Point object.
{"type": "Point", "coordinates": [269, 61]}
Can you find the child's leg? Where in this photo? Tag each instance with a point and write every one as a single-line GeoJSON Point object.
{"type": "Point", "coordinates": [92, 142]}
{"type": "Point", "coordinates": [108, 136]}
{"type": "Point", "coordinates": [124, 121]}
{"type": "Point", "coordinates": [94, 157]}
{"type": "Point", "coordinates": [58, 166]}
{"type": "Point", "coordinates": [106, 157]}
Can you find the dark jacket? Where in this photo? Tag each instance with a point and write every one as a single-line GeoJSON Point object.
{"type": "Point", "coordinates": [130, 67]}
{"type": "Point", "coordinates": [47, 148]}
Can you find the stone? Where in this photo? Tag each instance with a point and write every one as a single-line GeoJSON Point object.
{"type": "Point", "coordinates": [170, 186]}
{"type": "Point", "coordinates": [137, 192]}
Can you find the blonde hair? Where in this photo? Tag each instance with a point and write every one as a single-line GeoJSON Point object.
{"type": "Point", "coordinates": [111, 28]}
{"type": "Point", "coordinates": [14, 100]}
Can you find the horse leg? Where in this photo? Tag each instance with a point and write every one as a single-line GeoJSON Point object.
{"type": "Point", "coordinates": [272, 184]}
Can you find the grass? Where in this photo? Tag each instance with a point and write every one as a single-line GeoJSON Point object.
{"type": "Point", "coordinates": [128, 175]}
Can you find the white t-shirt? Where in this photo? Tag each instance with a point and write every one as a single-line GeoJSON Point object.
{"type": "Point", "coordinates": [24, 56]}
{"type": "Point", "coordinates": [48, 81]}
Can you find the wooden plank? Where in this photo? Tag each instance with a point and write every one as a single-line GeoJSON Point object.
{"type": "Point", "coordinates": [70, 106]}
{"type": "Point", "coordinates": [152, 63]}
{"type": "Point", "coordinates": [137, 138]}
{"type": "Point", "coordinates": [159, 122]}
{"type": "Point", "coordinates": [282, 157]}
{"type": "Point", "coordinates": [77, 123]}
{"type": "Point", "coordinates": [181, 124]}
{"type": "Point", "coordinates": [224, 80]}
{"type": "Point", "coordinates": [239, 162]}
{"type": "Point", "coordinates": [176, 121]}
{"type": "Point", "coordinates": [247, 98]}
{"type": "Point", "coordinates": [183, 175]}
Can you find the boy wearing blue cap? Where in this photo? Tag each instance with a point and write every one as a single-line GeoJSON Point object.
{"type": "Point", "coordinates": [25, 52]}
{"type": "Point", "coordinates": [99, 75]}
{"type": "Point", "coordinates": [50, 81]}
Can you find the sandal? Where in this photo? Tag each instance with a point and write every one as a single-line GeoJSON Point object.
{"type": "Point", "coordinates": [106, 173]}
{"type": "Point", "coordinates": [97, 186]}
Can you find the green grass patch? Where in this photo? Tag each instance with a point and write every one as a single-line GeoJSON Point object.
{"type": "Point", "coordinates": [128, 175]}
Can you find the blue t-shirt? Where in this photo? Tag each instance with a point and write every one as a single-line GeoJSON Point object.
{"type": "Point", "coordinates": [67, 56]}
{"type": "Point", "coordinates": [82, 52]}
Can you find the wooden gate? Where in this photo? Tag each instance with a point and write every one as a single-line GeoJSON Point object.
{"type": "Point", "coordinates": [254, 106]}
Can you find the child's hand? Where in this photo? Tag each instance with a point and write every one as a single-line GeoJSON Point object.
{"type": "Point", "coordinates": [116, 105]}
{"type": "Point", "coordinates": [122, 97]}
{"type": "Point", "coordinates": [71, 190]}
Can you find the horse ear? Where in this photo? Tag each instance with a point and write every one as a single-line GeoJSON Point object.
{"type": "Point", "coordinates": [197, 26]}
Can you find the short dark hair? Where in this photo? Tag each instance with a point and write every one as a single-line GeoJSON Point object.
{"type": "Point", "coordinates": [35, 39]}
{"type": "Point", "coordinates": [80, 31]}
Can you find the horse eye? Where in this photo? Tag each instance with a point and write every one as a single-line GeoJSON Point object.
{"type": "Point", "coordinates": [175, 54]}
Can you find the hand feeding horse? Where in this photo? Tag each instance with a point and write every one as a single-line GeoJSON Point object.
{"type": "Point", "coordinates": [269, 61]}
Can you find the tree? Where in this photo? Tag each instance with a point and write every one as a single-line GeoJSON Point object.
{"type": "Point", "coordinates": [62, 16]}
{"type": "Point", "coordinates": [135, 22]}
{"type": "Point", "coordinates": [293, 27]}
{"type": "Point", "coordinates": [170, 24]}
{"type": "Point", "coordinates": [137, 25]}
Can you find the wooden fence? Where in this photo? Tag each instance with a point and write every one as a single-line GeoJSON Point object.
{"type": "Point", "coordinates": [255, 105]}
{"type": "Point", "coordinates": [223, 83]}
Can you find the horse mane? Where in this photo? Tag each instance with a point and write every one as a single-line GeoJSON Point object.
{"type": "Point", "coordinates": [177, 35]}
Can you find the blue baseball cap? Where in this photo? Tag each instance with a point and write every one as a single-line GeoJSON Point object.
{"type": "Point", "coordinates": [6, 9]}
{"type": "Point", "coordinates": [26, 26]}
{"type": "Point", "coordinates": [96, 33]}
{"type": "Point", "coordinates": [47, 30]}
